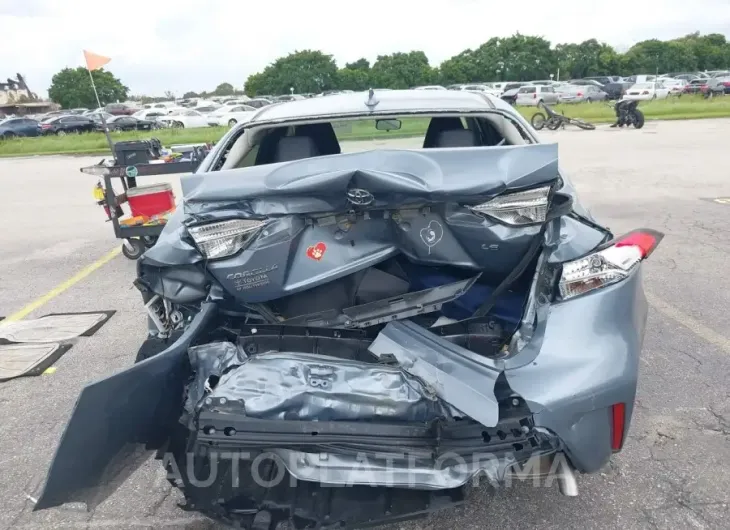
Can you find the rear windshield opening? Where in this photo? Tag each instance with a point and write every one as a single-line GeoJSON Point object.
{"type": "Point", "coordinates": [283, 143]}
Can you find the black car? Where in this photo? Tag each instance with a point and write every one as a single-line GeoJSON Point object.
{"type": "Point", "coordinates": [127, 123]}
{"type": "Point", "coordinates": [63, 125]}
{"type": "Point", "coordinates": [14, 127]}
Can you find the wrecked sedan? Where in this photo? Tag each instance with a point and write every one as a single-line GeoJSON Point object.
{"type": "Point", "coordinates": [351, 338]}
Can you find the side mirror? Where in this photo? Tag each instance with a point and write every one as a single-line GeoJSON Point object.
{"type": "Point", "coordinates": [388, 125]}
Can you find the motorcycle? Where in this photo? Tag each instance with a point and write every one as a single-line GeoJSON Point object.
{"type": "Point", "coordinates": [628, 114]}
{"type": "Point", "coordinates": [554, 121]}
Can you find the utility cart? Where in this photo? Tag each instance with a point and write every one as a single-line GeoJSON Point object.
{"type": "Point", "coordinates": [149, 205]}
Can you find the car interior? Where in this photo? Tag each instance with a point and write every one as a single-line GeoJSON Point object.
{"type": "Point", "coordinates": [270, 145]}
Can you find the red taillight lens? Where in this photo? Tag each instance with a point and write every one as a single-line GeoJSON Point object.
{"type": "Point", "coordinates": [45, 125]}
{"type": "Point", "coordinates": [534, 96]}
{"type": "Point", "coordinates": [618, 426]}
{"type": "Point", "coordinates": [645, 241]}
{"type": "Point", "coordinates": [726, 83]}
{"type": "Point", "coordinates": [580, 94]}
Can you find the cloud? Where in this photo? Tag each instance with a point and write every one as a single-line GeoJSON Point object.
{"type": "Point", "coordinates": [183, 45]}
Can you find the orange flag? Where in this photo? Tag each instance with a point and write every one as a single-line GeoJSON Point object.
{"type": "Point", "coordinates": [94, 61]}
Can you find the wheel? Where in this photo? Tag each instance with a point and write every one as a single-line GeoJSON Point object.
{"type": "Point", "coordinates": [231, 123]}
{"type": "Point", "coordinates": [589, 100]}
{"type": "Point", "coordinates": [538, 121]}
{"type": "Point", "coordinates": [638, 119]}
{"type": "Point", "coordinates": [61, 133]}
{"type": "Point", "coordinates": [553, 124]}
{"type": "Point", "coordinates": [583, 124]}
{"type": "Point", "coordinates": [149, 241]}
{"type": "Point", "coordinates": [8, 136]}
{"type": "Point", "coordinates": [178, 125]}
{"type": "Point", "coordinates": [133, 248]}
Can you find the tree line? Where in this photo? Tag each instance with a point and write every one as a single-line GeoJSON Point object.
{"type": "Point", "coordinates": [515, 58]}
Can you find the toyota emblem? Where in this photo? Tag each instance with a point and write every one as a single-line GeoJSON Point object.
{"type": "Point", "coordinates": [360, 197]}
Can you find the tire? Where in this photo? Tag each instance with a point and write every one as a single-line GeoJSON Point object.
{"type": "Point", "coordinates": [136, 250]}
{"type": "Point", "coordinates": [232, 123]}
{"type": "Point", "coordinates": [149, 241]}
{"type": "Point", "coordinates": [638, 119]}
{"type": "Point", "coordinates": [538, 121]}
{"type": "Point", "coordinates": [589, 100]}
{"type": "Point", "coordinates": [553, 125]}
{"type": "Point", "coordinates": [8, 136]}
{"type": "Point", "coordinates": [178, 125]}
{"type": "Point", "coordinates": [61, 132]}
{"type": "Point", "coordinates": [583, 124]}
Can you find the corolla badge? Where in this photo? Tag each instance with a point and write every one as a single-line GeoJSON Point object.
{"type": "Point", "coordinates": [359, 197]}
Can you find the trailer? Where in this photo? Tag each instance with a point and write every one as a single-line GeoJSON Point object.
{"type": "Point", "coordinates": [150, 205]}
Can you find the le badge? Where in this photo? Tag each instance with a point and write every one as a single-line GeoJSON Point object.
{"type": "Point", "coordinates": [316, 252]}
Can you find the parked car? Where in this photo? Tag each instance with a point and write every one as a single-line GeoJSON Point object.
{"type": "Point", "coordinates": [646, 91]}
{"type": "Point", "coordinates": [207, 109]}
{"type": "Point", "coordinates": [429, 87]}
{"type": "Point", "coordinates": [230, 116]}
{"type": "Point", "coordinates": [96, 116]}
{"type": "Point", "coordinates": [152, 114]}
{"type": "Point", "coordinates": [187, 119]}
{"type": "Point", "coordinates": [15, 127]}
{"type": "Point", "coordinates": [484, 89]}
{"type": "Point", "coordinates": [129, 123]}
{"type": "Point", "coordinates": [159, 105]}
{"type": "Point", "coordinates": [675, 86]}
{"type": "Point", "coordinates": [716, 86]}
{"type": "Point", "coordinates": [120, 109]}
{"type": "Point", "coordinates": [582, 94]}
{"type": "Point", "coordinates": [288, 97]}
{"type": "Point", "coordinates": [63, 125]}
{"type": "Point", "coordinates": [258, 103]}
{"type": "Point", "coordinates": [696, 86]}
{"type": "Point", "coordinates": [510, 92]}
{"type": "Point", "coordinates": [352, 338]}
{"type": "Point", "coordinates": [535, 95]}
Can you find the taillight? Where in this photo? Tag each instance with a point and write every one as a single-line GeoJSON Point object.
{"type": "Point", "coordinates": [580, 94]}
{"type": "Point", "coordinates": [520, 208]}
{"type": "Point", "coordinates": [607, 266]}
{"type": "Point", "coordinates": [726, 83]}
{"type": "Point", "coordinates": [534, 96]}
{"type": "Point", "coordinates": [618, 426]}
{"type": "Point", "coordinates": [45, 125]}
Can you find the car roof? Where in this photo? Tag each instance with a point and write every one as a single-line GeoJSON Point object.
{"type": "Point", "coordinates": [388, 102]}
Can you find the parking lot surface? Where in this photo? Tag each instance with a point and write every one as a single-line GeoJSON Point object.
{"type": "Point", "coordinates": [675, 469]}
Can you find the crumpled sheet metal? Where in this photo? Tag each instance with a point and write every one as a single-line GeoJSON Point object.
{"type": "Point", "coordinates": [394, 177]}
{"type": "Point", "coordinates": [208, 360]}
{"type": "Point", "coordinates": [310, 387]}
{"type": "Point", "coordinates": [52, 328]}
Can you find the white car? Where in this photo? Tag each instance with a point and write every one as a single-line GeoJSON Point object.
{"type": "Point", "coordinates": [184, 119]}
{"type": "Point", "coordinates": [486, 89]}
{"type": "Point", "coordinates": [150, 114]}
{"type": "Point", "coordinates": [675, 86]}
{"type": "Point", "coordinates": [159, 105]}
{"type": "Point", "coordinates": [230, 116]}
{"type": "Point", "coordinates": [430, 87]}
{"type": "Point", "coordinates": [646, 91]}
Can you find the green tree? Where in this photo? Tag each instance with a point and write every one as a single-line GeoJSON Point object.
{"type": "Point", "coordinates": [589, 58]}
{"type": "Point", "coordinates": [353, 79]}
{"type": "Point", "coordinates": [169, 95]}
{"type": "Point", "coordinates": [306, 71]}
{"type": "Point", "coordinates": [189, 95]}
{"type": "Point", "coordinates": [402, 70]}
{"type": "Point", "coordinates": [71, 88]}
{"type": "Point", "coordinates": [360, 64]}
{"type": "Point", "coordinates": [224, 89]}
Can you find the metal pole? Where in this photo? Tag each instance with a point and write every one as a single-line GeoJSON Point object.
{"type": "Point", "coordinates": [101, 115]}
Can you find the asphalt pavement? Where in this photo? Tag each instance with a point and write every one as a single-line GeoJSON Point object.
{"type": "Point", "coordinates": [674, 471]}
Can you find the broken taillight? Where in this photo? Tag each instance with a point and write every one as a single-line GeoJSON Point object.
{"type": "Point", "coordinates": [618, 426]}
{"type": "Point", "coordinates": [518, 208]}
{"type": "Point", "coordinates": [609, 265]}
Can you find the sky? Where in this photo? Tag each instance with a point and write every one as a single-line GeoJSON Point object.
{"type": "Point", "coordinates": [182, 45]}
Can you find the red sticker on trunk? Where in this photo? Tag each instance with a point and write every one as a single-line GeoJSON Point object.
{"type": "Point", "coordinates": [316, 251]}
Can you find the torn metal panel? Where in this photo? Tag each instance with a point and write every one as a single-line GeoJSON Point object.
{"type": "Point", "coordinates": [460, 377]}
{"type": "Point", "coordinates": [53, 328]}
{"type": "Point", "coordinates": [393, 177]}
{"type": "Point", "coordinates": [17, 360]}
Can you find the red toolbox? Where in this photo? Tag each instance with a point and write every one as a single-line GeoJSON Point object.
{"type": "Point", "coordinates": [151, 199]}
